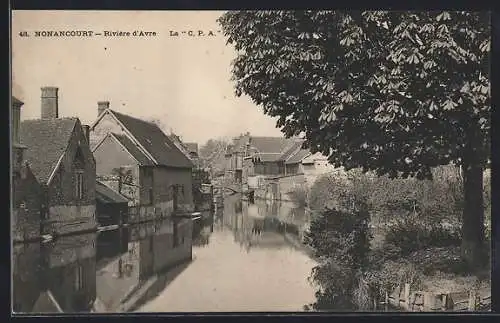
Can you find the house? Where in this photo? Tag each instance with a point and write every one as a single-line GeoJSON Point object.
{"type": "Point", "coordinates": [273, 166]}
{"type": "Point", "coordinates": [315, 165]}
{"type": "Point", "coordinates": [111, 206]}
{"type": "Point", "coordinates": [252, 155]}
{"type": "Point", "coordinates": [137, 159]}
{"type": "Point", "coordinates": [59, 157]}
{"type": "Point", "coordinates": [26, 190]}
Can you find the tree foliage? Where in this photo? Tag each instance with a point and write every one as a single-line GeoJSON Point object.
{"type": "Point", "coordinates": [384, 90]}
{"type": "Point", "coordinates": [394, 92]}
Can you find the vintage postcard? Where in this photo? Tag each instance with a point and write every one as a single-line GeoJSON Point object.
{"type": "Point", "coordinates": [250, 161]}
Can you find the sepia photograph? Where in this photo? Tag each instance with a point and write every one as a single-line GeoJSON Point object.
{"type": "Point", "coordinates": [250, 161]}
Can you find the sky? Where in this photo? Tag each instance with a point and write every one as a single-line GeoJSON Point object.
{"type": "Point", "coordinates": [183, 81]}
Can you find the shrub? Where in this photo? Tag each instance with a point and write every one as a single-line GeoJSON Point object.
{"type": "Point", "coordinates": [487, 205]}
{"type": "Point", "coordinates": [413, 233]}
{"type": "Point", "coordinates": [340, 241]}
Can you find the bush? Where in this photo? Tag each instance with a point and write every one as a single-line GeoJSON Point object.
{"type": "Point", "coordinates": [411, 233]}
{"type": "Point", "coordinates": [340, 241]}
{"type": "Point", "coordinates": [487, 205]}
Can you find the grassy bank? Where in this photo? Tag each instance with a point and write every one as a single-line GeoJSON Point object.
{"type": "Point", "coordinates": [414, 236]}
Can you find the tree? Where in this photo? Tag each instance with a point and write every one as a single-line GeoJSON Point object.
{"type": "Point", "coordinates": [212, 154]}
{"type": "Point", "coordinates": [397, 93]}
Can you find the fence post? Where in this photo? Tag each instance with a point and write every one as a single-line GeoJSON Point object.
{"type": "Point", "coordinates": [406, 296]}
{"type": "Point", "coordinates": [472, 301]}
{"type": "Point", "coordinates": [444, 300]}
{"type": "Point", "coordinates": [386, 300]}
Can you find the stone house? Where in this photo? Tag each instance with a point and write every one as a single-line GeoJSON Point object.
{"type": "Point", "coordinates": [137, 159]}
{"type": "Point", "coordinates": [26, 190]}
{"type": "Point", "coordinates": [59, 157]}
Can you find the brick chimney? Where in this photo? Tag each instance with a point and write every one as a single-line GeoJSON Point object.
{"type": "Point", "coordinates": [101, 106]}
{"type": "Point", "coordinates": [16, 120]}
{"type": "Point", "coordinates": [86, 131]}
{"type": "Point", "coordinates": [50, 108]}
{"type": "Point", "coordinates": [17, 147]}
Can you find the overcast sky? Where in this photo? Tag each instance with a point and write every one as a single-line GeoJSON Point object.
{"type": "Point", "coordinates": [183, 81]}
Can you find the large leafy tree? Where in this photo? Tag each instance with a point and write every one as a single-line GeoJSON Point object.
{"type": "Point", "coordinates": [397, 93]}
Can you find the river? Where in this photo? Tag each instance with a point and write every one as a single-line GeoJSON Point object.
{"type": "Point", "coordinates": [244, 257]}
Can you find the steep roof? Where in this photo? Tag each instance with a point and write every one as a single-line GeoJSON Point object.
{"type": "Point", "coordinates": [270, 144]}
{"type": "Point", "coordinates": [157, 143]}
{"type": "Point", "coordinates": [291, 150]}
{"type": "Point", "coordinates": [133, 150]}
{"type": "Point", "coordinates": [106, 194]}
{"type": "Point", "coordinates": [47, 140]}
{"type": "Point", "coordinates": [298, 156]}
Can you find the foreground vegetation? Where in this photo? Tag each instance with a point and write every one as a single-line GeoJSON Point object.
{"type": "Point", "coordinates": [370, 234]}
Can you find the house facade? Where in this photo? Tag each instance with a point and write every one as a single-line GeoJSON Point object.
{"type": "Point", "coordinates": [26, 190]}
{"type": "Point", "coordinates": [273, 166]}
{"type": "Point", "coordinates": [59, 157]}
{"type": "Point", "coordinates": [135, 158]}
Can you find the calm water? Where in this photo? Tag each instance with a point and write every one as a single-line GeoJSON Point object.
{"type": "Point", "coordinates": [246, 257]}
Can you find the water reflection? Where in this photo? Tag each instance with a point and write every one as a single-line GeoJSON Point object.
{"type": "Point", "coordinates": [249, 257]}
{"type": "Point", "coordinates": [99, 272]}
{"type": "Point", "coordinates": [244, 257]}
{"type": "Point", "coordinates": [264, 223]}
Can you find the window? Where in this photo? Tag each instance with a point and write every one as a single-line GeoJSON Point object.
{"type": "Point", "coordinates": [79, 277]}
{"type": "Point", "coordinates": [151, 199]}
{"type": "Point", "coordinates": [79, 185]}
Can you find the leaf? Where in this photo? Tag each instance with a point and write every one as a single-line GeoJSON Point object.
{"type": "Point", "coordinates": [443, 16]}
{"type": "Point", "coordinates": [449, 105]}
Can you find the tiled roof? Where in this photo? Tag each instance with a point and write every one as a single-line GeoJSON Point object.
{"type": "Point", "coordinates": [106, 194]}
{"type": "Point", "coordinates": [297, 157]}
{"type": "Point", "coordinates": [46, 140]}
{"type": "Point", "coordinates": [154, 141]}
{"type": "Point", "coordinates": [270, 144]}
{"type": "Point", "coordinates": [268, 157]}
{"type": "Point", "coordinates": [292, 149]}
{"type": "Point", "coordinates": [133, 150]}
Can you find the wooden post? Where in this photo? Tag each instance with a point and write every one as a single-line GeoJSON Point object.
{"type": "Point", "coordinates": [472, 301]}
{"type": "Point", "coordinates": [406, 296]}
{"type": "Point", "coordinates": [386, 301]}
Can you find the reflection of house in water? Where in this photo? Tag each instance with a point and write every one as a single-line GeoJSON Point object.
{"type": "Point", "coordinates": [152, 248]}
{"type": "Point", "coordinates": [26, 262]}
{"type": "Point", "coordinates": [203, 227]}
{"type": "Point", "coordinates": [266, 223]}
{"type": "Point", "coordinates": [60, 276]}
